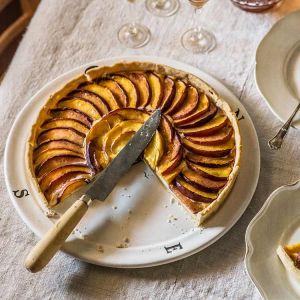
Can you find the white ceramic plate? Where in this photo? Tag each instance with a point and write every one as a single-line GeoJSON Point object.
{"type": "Point", "coordinates": [277, 223]}
{"type": "Point", "coordinates": [278, 67]}
{"type": "Point", "coordinates": [159, 231]}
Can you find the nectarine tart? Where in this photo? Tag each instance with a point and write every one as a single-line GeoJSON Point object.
{"type": "Point", "coordinates": [290, 257]}
{"type": "Point", "coordinates": [195, 152]}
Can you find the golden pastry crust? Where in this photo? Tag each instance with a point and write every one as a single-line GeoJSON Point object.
{"type": "Point", "coordinates": [287, 261]}
{"type": "Point", "coordinates": [199, 210]}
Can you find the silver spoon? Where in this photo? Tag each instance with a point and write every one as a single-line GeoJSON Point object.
{"type": "Point", "coordinates": [276, 142]}
{"type": "Point", "coordinates": [291, 76]}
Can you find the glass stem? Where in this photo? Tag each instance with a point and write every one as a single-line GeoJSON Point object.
{"type": "Point", "coordinates": [160, 3]}
{"type": "Point", "coordinates": [132, 29]}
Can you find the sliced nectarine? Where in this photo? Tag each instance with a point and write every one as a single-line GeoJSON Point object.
{"type": "Point", "coordinates": [61, 134]}
{"type": "Point", "coordinates": [213, 151]}
{"type": "Point", "coordinates": [141, 83]}
{"type": "Point", "coordinates": [74, 114]}
{"type": "Point", "coordinates": [180, 92]}
{"type": "Point", "coordinates": [100, 103]}
{"type": "Point", "coordinates": [116, 90]}
{"type": "Point", "coordinates": [58, 162]}
{"type": "Point", "coordinates": [218, 138]}
{"type": "Point", "coordinates": [212, 162]}
{"type": "Point", "coordinates": [189, 105]}
{"type": "Point", "coordinates": [218, 122]}
{"type": "Point", "coordinates": [169, 92]}
{"type": "Point", "coordinates": [82, 105]}
{"type": "Point", "coordinates": [203, 106]}
{"type": "Point", "coordinates": [201, 182]}
{"type": "Point", "coordinates": [65, 123]}
{"type": "Point", "coordinates": [46, 180]}
{"type": "Point", "coordinates": [129, 89]}
{"type": "Point", "coordinates": [154, 151]}
{"type": "Point", "coordinates": [191, 192]}
{"type": "Point", "coordinates": [58, 144]}
{"type": "Point", "coordinates": [104, 93]}
{"type": "Point", "coordinates": [220, 173]}
{"type": "Point", "coordinates": [156, 90]}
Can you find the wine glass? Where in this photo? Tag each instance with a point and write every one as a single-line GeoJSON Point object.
{"type": "Point", "coordinates": [198, 39]}
{"type": "Point", "coordinates": [162, 8]}
{"type": "Point", "coordinates": [134, 35]}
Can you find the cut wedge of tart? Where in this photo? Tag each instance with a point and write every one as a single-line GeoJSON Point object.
{"type": "Point", "coordinates": [82, 127]}
{"type": "Point", "coordinates": [290, 258]}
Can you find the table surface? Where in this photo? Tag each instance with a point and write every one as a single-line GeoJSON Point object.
{"type": "Point", "coordinates": [67, 33]}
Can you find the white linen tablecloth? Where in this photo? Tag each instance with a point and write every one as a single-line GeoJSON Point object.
{"type": "Point", "coordinates": [67, 33]}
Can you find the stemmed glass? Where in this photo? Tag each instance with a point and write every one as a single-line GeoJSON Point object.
{"type": "Point", "coordinates": [134, 35]}
{"type": "Point", "coordinates": [162, 8]}
{"type": "Point", "coordinates": [198, 39]}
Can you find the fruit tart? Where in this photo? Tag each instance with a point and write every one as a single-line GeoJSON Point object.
{"type": "Point", "coordinates": [82, 127]}
{"type": "Point", "coordinates": [290, 257]}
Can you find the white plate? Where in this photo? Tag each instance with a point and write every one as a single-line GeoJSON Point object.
{"type": "Point", "coordinates": [277, 223]}
{"type": "Point", "coordinates": [153, 240]}
{"type": "Point", "coordinates": [278, 67]}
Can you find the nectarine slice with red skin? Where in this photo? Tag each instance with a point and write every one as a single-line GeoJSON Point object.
{"type": "Point", "coordinates": [92, 160]}
{"type": "Point", "coordinates": [220, 173]}
{"type": "Point", "coordinates": [57, 187]}
{"type": "Point", "coordinates": [156, 90]}
{"type": "Point", "coordinates": [193, 206]}
{"type": "Point", "coordinates": [201, 182]}
{"type": "Point", "coordinates": [129, 89]}
{"type": "Point", "coordinates": [61, 134]}
{"type": "Point", "coordinates": [46, 155]}
{"type": "Point", "coordinates": [171, 150]}
{"type": "Point", "coordinates": [46, 180]}
{"type": "Point", "coordinates": [169, 92]}
{"type": "Point", "coordinates": [65, 123]}
{"type": "Point", "coordinates": [58, 144]}
{"type": "Point", "coordinates": [218, 138]}
{"type": "Point", "coordinates": [58, 162]}
{"type": "Point", "coordinates": [212, 162]}
{"type": "Point", "coordinates": [100, 103]}
{"type": "Point", "coordinates": [172, 174]}
{"type": "Point", "coordinates": [202, 119]}
{"type": "Point", "coordinates": [83, 105]}
{"type": "Point", "coordinates": [212, 151]}
{"type": "Point", "coordinates": [180, 92]}
{"type": "Point", "coordinates": [189, 104]}
{"type": "Point", "coordinates": [166, 129]}
{"type": "Point", "coordinates": [209, 128]}
{"type": "Point", "coordinates": [104, 93]}
{"type": "Point", "coordinates": [203, 106]}
{"type": "Point", "coordinates": [142, 86]}
{"type": "Point", "coordinates": [116, 90]}
{"type": "Point", "coordinates": [167, 166]}
{"type": "Point", "coordinates": [70, 113]}
{"type": "Point", "coordinates": [70, 189]}
{"type": "Point", "coordinates": [191, 192]}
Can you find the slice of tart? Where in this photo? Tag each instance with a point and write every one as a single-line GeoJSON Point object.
{"type": "Point", "coordinates": [195, 152]}
{"type": "Point", "coordinates": [290, 257]}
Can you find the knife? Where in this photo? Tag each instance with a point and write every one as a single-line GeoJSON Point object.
{"type": "Point", "coordinates": [100, 187]}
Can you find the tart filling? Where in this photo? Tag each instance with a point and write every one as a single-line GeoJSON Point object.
{"type": "Point", "coordinates": [195, 151]}
{"type": "Point", "coordinates": [290, 257]}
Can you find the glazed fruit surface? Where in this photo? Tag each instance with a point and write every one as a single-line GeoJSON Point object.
{"type": "Point", "coordinates": [192, 152]}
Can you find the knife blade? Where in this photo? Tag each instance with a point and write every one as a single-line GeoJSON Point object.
{"type": "Point", "coordinates": [105, 181]}
{"type": "Point", "coordinates": [99, 188]}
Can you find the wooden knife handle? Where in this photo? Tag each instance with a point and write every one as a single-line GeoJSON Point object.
{"type": "Point", "coordinates": [46, 248]}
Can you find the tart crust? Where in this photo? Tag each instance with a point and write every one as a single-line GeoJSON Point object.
{"type": "Point", "coordinates": [288, 262]}
{"type": "Point", "coordinates": [199, 210]}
